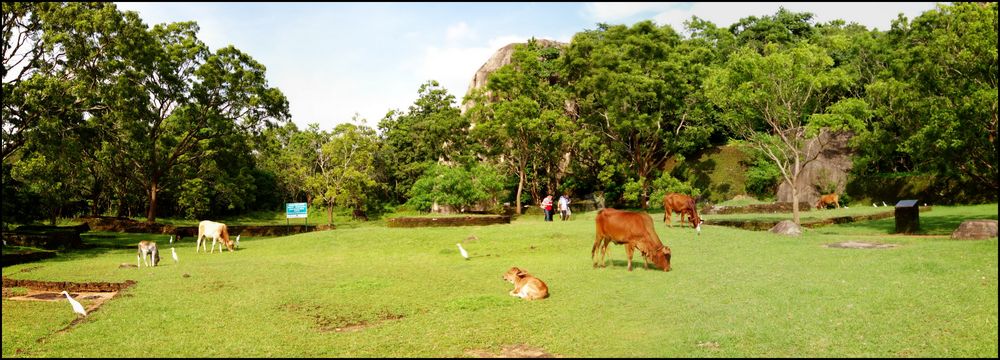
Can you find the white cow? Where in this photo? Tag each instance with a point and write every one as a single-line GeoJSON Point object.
{"type": "Point", "coordinates": [147, 247]}
{"type": "Point", "coordinates": [217, 231]}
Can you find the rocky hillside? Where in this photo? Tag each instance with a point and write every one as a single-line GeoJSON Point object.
{"type": "Point", "coordinates": [498, 60]}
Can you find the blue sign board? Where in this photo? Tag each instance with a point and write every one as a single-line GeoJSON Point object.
{"type": "Point", "coordinates": [296, 210]}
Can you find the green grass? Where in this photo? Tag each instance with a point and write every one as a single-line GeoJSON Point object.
{"type": "Point", "coordinates": [732, 293]}
{"type": "Point", "coordinates": [743, 202]}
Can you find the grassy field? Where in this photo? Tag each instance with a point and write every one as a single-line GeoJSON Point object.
{"type": "Point", "coordinates": [372, 291]}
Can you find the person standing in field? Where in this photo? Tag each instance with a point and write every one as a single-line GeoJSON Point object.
{"type": "Point", "coordinates": [547, 207]}
{"type": "Point", "coordinates": [564, 212]}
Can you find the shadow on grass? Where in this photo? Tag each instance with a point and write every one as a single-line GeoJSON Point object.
{"type": "Point", "coordinates": [930, 224]}
{"type": "Point", "coordinates": [101, 243]}
{"type": "Point", "coordinates": [623, 264]}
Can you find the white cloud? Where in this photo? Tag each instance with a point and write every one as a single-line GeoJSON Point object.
{"type": "Point", "coordinates": [458, 32]}
{"type": "Point", "coordinates": [620, 10]}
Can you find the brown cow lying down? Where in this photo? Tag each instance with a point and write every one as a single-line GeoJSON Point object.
{"type": "Point", "coordinates": [827, 200]}
{"type": "Point", "coordinates": [635, 230]}
{"type": "Point", "coordinates": [526, 286]}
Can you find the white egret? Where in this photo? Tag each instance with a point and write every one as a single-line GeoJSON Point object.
{"type": "Point", "coordinates": [76, 305]}
{"type": "Point", "coordinates": [238, 240]}
{"type": "Point", "coordinates": [465, 254]}
{"type": "Point", "coordinates": [873, 205]}
{"type": "Point", "coordinates": [883, 204]}
{"type": "Point", "coordinates": [171, 239]}
{"type": "Point", "coordinates": [174, 253]}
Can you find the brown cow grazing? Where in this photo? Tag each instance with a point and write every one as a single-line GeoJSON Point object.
{"type": "Point", "coordinates": [684, 205]}
{"type": "Point", "coordinates": [636, 231]}
{"type": "Point", "coordinates": [827, 200]}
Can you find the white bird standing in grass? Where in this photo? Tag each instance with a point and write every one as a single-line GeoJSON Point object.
{"type": "Point", "coordinates": [174, 253]}
{"type": "Point", "coordinates": [883, 204]}
{"type": "Point", "coordinates": [873, 205]}
{"type": "Point", "coordinates": [76, 305]}
{"type": "Point", "coordinates": [238, 240]}
{"type": "Point", "coordinates": [171, 239]}
{"type": "Point", "coordinates": [465, 254]}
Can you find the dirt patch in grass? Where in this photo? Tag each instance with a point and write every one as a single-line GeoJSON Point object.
{"type": "Point", "coordinates": [30, 269]}
{"type": "Point", "coordinates": [360, 325]}
{"type": "Point", "coordinates": [711, 345]}
{"type": "Point", "coordinates": [68, 286]}
{"type": "Point", "coordinates": [96, 293]}
{"type": "Point", "coordinates": [859, 245]}
{"type": "Point", "coordinates": [341, 322]}
{"type": "Point", "coordinates": [512, 351]}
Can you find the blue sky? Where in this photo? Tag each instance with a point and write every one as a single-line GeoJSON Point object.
{"type": "Point", "coordinates": [333, 60]}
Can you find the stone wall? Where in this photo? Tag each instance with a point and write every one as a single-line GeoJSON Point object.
{"type": "Point", "coordinates": [448, 221]}
{"type": "Point", "coordinates": [127, 225]}
{"type": "Point", "coordinates": [767, 224]}
{"type": "Point", "coordinates": [773, 208]}
{"type": "Point", "coordinates": [46, 237]}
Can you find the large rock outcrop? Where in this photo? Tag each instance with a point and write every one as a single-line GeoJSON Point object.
{"type": "Point", "coordinates": [830, 169]}
{"type": "Point", "coordinates": [498, 60]}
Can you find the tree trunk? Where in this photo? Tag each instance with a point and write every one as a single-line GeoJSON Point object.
{"type": "Point", "coordinates": [520, 187]}
{"type": "Point", "coordinates": [151, 212]}
{"type": "Point", "coordinates": [644, 195]}
{"type": "Point", "coordinates": [795, 204]}
{"type": "Point", "coordinates": [329, 214]}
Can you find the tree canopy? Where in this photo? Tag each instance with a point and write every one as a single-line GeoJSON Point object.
{"type": "Point", "coordinates": [104, 114]}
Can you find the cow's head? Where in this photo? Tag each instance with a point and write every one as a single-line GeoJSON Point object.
{"type": "Point", "coordinates": [513, 274]}
{"type": "Point", "coordinates": [696, 222]}
{"type": "Point", "coordinates": [661, 258]}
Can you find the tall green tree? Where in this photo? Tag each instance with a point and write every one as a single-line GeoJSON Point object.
{"type": "Point", "coordinates": [769, 100]}
{"type": "Point", "coordinates": [346, 168]}
{"type": "Point", "coordinates": [935, 102]}
{"type": "Point", "coordinates": [634, 86]}
{"type": "Point", "coordinates": [431, 130]}
{"type": "Point", "coordinates": [191, 98]}
{"type": "Point", "coordinates": [60, 61]}
{"type": "Point", "coordinates": [291, 155]}
{"type": "Point", "coordinates": [520, 118]}
{"type": "Point", "coordinates": [784, 27]}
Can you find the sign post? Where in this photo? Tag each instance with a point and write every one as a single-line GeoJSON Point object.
{"type": "Point", "coordinates": [296, 210]}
